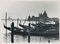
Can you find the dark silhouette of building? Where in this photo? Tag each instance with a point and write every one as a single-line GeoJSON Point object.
{"type": "Point", "coordinates": [43, 17]}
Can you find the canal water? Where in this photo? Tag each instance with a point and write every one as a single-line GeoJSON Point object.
{"type": "Point", "coordinates": [20, 38]}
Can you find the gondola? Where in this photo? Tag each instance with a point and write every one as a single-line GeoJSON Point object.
{"type": "Point", "coordinates": [33, 32]}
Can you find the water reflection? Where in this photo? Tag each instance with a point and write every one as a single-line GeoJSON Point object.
{"type": "Point", "coordinates": [22, 38]}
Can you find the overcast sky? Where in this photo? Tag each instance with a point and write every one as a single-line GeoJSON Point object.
{"type": "Point", "coordinates": [22, 9]}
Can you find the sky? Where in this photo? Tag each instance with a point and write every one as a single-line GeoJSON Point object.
{"type": "Point", "coordinates": [22, 9]}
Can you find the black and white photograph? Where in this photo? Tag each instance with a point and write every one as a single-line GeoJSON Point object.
{"type": "Point", "coordinates": [33, 22]}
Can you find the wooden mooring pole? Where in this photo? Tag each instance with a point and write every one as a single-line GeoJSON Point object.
{"type": "Point", "coordinates": [12, 32]}
{"type": "Point", "coordinates": [17, 22]}
{"type": "Point", "coordinates": [6, 24]}
{"type": "Point", "coordinates": [29, 34]}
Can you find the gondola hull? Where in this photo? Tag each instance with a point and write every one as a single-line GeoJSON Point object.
{"type": "Point", "coordinates": [33, 33]}
{"type": "Point", "coordinates": [49, 33]}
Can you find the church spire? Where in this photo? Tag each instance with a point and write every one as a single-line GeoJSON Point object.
{"type": "Point", "coordinates": [29, 18]}
{"type": "Point", "coordinates": [45, 14]}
